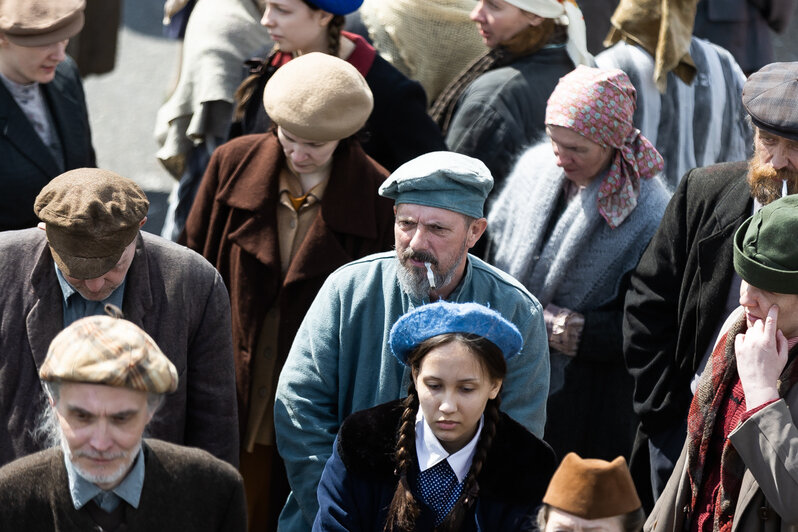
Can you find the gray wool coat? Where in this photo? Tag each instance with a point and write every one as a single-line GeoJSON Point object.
{"type": "Point", "coordinates": [172, 293]}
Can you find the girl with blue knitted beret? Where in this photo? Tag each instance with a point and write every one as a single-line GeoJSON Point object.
{"type": "Point", "coordinates": [445, 457]}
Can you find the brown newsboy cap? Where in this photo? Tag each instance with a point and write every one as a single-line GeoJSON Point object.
{"type": "Point", "coordinates": [109, 351]}
{"type": "Point", "coordinates": [592, 489]}
{"type": "Point", "coordinates": [40, 22]}
{"type": "Point", "coordinates": [318, 97]}
{"type": "Point", "coordinates": [769, 96]}
{"type": "Point", "coordinates": [91, 215]}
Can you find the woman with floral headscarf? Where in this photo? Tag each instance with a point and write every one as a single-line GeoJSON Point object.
{"type": "Point", "coordinates": [576, 214]}
{"type": "Point", "coordinates": [495, 109]}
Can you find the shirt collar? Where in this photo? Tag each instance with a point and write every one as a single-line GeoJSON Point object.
{"type": "Point", "coordinates": [430, 452]}
{"type": "Point", "coordinates": [84, 491]}
{"type": "Point", "coordinates": [66, 289]}
{"type": "Point", "coordinates": [20, 90]}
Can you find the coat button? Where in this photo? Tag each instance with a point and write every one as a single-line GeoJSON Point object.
{"type": "Point", "coordinates": [764, 514]}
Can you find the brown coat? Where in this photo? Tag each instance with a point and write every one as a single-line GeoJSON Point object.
{"type": "Point", "coordinates": [233, 223]}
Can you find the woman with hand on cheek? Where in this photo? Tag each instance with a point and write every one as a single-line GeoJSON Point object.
{"type": "Point", "coordinates": [445, 457]}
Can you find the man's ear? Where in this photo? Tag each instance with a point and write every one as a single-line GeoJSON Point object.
{"type": "Point", "coordinates": [42, 226]}
{"type": "Point", "coordinates": [475, 231]}
{"type": "Point", "coordinates": [143, 221]}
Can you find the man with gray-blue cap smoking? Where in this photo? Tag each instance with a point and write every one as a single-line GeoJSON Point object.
{"type": "Point", "coordinates": [341, 359]}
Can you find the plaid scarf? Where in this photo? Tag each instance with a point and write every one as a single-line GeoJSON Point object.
{"type": "Point", "coordinates": [711, 398]}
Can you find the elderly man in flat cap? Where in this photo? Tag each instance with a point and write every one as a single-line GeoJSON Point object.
{"type": "Point", "coordinates": [341, 360]}
{"type": "Point", "coordinates": [44, 124]}
{"type": "Point", "coordinates": [105, 378]}
{"type": "Point", "coordinates": [91, 253]}
{"type": "Point", "coordinates": [738, 469]}
{"type": "Point", "coordinates": [684, 285]}
{"type": "Point", "coordinates": [589, 494]}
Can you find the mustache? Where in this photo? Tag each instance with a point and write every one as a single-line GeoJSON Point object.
{"type": "Point", "coordinates": [95, 455]}
{"type": "Point", "coordinates": [421, 256]}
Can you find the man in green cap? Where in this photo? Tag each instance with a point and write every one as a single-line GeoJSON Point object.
{"type": "Point", "coordinates": [341, 360]}
{"type": "Point", "coordinates": [739, 465]}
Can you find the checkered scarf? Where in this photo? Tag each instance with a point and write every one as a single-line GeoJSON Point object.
{"type": "Point", "coordinates": [711, 397]}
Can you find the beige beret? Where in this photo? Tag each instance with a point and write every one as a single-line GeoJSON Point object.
{"type": "Point", "coordinates": [318, 97]}
{"type": "Point", "coordinates": [592, 489]}
{"type": "Point", "coordinates": [40, 22]}
{"type": "Point", "coordinates": [91, 215]}
{"type": "Point", "coordinates": [110, 351]}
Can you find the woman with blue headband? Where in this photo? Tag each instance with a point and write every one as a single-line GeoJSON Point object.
{"type": "Point", "coordinates": [445, 457]}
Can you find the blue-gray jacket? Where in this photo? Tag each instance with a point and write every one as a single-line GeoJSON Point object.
{"type": "Point", "coordinates": [341, 362]}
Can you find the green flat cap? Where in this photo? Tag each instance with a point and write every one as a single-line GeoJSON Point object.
{"type": "Point", "coordinates": [442, 179]}
{"type": "Point", "coordinates": [766, 248]}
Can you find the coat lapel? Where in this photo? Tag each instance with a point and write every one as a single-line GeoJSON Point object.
{"type": "Point", "coordinates": [46, 317]}
{"type": "Point", "coordinates": [18, 131]}
{"type": "Point", "coordinates": [67, 115]}
{"type": "Point", "coordinates": [138, 290]}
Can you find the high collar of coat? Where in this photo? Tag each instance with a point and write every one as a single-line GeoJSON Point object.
{"type": "Point", "coordinates": [252, 191]}
{"type": "Point", "coordinates": [518, 466]}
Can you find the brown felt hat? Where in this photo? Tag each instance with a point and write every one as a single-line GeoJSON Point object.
{"type": "Point", "coordinates": [91, 216]}
{"type": "Point", "coordinates": [40, 22]}
{"type": "Point", "coordinates": [592, 489]}
{"type": "Point", "coordinates": [318, 97]}
{"type": "Point", "coordinates": [109, 351]}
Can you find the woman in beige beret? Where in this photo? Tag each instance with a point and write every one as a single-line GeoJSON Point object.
{"type": "Point", "coordinates": [276, 213]}
{"type": "Point", "coordinates": [398, 128]}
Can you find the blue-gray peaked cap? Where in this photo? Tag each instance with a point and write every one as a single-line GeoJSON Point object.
{"type": "Point", "coordinates": [444, 317]}
{"type": "Point", "coordinates": [442, 179]}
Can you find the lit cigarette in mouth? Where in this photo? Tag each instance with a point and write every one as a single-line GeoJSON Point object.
{"type": "Point", "coordinates": [430, 275]}
{"type": "Point", "coordinates": [783, 188]}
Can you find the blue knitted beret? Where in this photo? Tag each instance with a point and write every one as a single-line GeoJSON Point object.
{"type": "Point", "coordinates": [337, 7]}
{"type": "Point", "coordinates": [443, 317]}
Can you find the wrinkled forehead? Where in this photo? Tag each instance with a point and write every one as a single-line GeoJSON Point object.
{"type": "Point", "coordinates": [563, 522]}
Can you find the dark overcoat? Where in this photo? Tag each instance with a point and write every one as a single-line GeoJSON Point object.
{"type": "Point", "coordinates": [677, 295]}
{"type": "Point", "coordinates": [184, 489]}
{"type": "Point", "coordinates": [170, 292]}
{"type": "Point", "coordinates": [26, 164]}
{"type": "Point", "coordinates": [358, 482]}
{"type": "Point", "coordinates": [233, 223]}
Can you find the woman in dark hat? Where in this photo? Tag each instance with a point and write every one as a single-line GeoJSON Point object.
{"type": "Point", "coordinates": [445, 457]}
{"type": "Point", "coordinates": [398, 128]}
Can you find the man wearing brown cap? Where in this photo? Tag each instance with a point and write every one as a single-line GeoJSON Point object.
{"type": "Point", "coordinates": [92, 253]}
{"type": "Point", "coordinates": [105, 378]}
{"type": "Point", "coordinates": [44, 124]}
{"type": "Point", "coordinates": [738, 468]}
{"type": "Point", "coordinates": [591, 495]}
{"type": "Point", "coordinates": [685, 285]}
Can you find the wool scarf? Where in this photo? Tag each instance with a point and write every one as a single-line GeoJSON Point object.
{"type": "Point", "coordinates": [711, 397]}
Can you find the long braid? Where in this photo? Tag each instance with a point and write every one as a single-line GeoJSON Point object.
{"type": "Point", "coordinates": [404, 508]}
{"type": "Point", "coordinates": [334, 34]}
{"type": "Point", "coordinates": [470, 493]}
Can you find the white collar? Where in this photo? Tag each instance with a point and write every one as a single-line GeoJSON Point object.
{"type": "Point", "coordinates": [430, 452]}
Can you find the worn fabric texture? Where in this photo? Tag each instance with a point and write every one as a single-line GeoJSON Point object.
{"type": "Point", "coordinates": [766, 444]}
{"type": "Point", "coordinates": [170, 292]}
{"type": "Point", "coordinates": [405, 32]}
{"type": "Point", "coordinates": [27, 163]}
{"type": "Point", "coordinates": [341, 362]}
{"type": "Point", "coordinates": [691, 125]}
{"type": "Point", "coordinates": [184, 489]}
{"type": "Point", "coordinates": [664, 29]}
{"type": "Point", "coordinates": [502, 112]}
{"type": "Point", "coordinates": [677, 296]}
{"type": "Point", "coordinates": [582, 265]}
{"type": "Point", "coordinates": [358, 482]}
{"type": "Point", "coordinates": [398, 128]}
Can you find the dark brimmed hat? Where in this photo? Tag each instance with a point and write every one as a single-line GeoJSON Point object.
{"type": "Point", "coordinates": [91, 216]}
{"type": "Point", "coordinates": [109, 351]}
{"type": "Point", "coordinates": [443, 317]}
{"type": "Point", "coordinates": [40, 22]}
{"type": "Point", "coordinates": [442, 179]}
{"type": "Point", "coordinates": [592, 489]}
{"type": "Point", "coordinates": [769, 96]}
{"type": "Point", "coordinates": [318, 97]}
{"type": "Point", "coordinates": [766, 249]}
{"type": "Point", "coordinates": [337, 7]}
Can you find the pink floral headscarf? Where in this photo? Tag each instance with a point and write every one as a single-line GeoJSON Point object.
{"type": "Point", "coordinates": [600, 105]}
